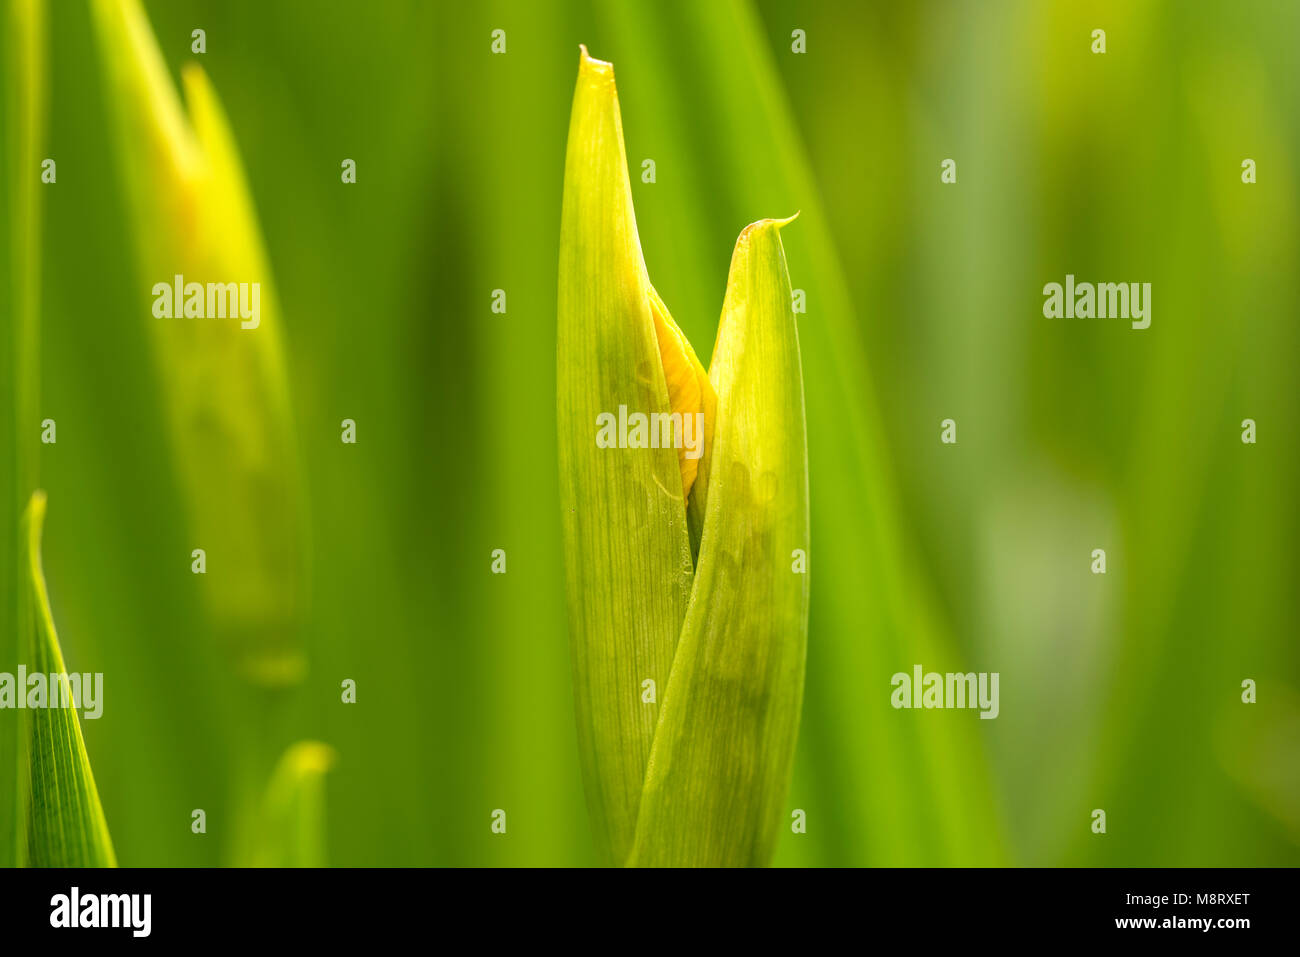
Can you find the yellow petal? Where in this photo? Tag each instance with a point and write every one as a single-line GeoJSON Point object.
{"type": "Point", "coordinates": [689, 389]}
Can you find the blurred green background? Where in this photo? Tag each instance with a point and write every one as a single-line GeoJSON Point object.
{"type": "Point", "coordinates": [1119, 692]}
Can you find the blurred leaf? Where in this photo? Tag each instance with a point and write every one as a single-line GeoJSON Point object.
{"type": "Point", "coordinates": [225, 387]}
{"type": "Point", "coordinates": [22, 126]}
{"type": "Point", "coordinates": [720, 766]}
{"type": "Point", "coordinates": [24, 131]}
{"type": "Point", "coordinates": [66, 826]}
{"type": "Point", "coordinates": [627, 555]}
{"type": "Point", "coordinates": [290, 827]}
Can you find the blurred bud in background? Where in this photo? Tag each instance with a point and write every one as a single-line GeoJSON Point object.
{"type": "Point", "coordinates": [222, 378]}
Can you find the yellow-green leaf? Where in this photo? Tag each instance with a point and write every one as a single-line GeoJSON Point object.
{"type": "Point", "coordinates": [22, 127]}
{"type": "Point", "coordinates": [65, 821]}
{"type": "Point", "coordinates": [223, 381]}
{"type": "Point", "coordinates": [627, 555]}
{"type": "Point", "coordinates": [720, 766]}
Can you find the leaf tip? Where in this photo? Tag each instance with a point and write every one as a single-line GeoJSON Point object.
{"type": "Point", "coordinates": [36, 506]}
{"type": "Point", "coordinates": [194, 78]}
{"type": "Point", "coordinates": [34, 524]}
{"type": "Point", "coordinates": [765, 225]}
{"type": "Point", "coordinates": [591, 68]}
{"type": "Point", "coordinates": [311, 757]}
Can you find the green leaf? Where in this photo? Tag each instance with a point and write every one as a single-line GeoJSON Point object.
{"type": "Point", "coordinates": [22, 122]}
{"type": "Point", "coordinates": [627, 554]}
{"type": "Point", "coordinates": [289, 828]}
{"type": "Point", "coordinates": [720, 766]}
{"type": "Point", "coordinates": [65, 822]}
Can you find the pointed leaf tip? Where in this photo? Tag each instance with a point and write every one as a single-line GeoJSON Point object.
{"type": "Point", "coordinates": [590, 66]}
{"type": "Point", "coordinates": [65, 824]}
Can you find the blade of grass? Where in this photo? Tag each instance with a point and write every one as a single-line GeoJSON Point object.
{"type": "Point", "coordinates": [66, 825]}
